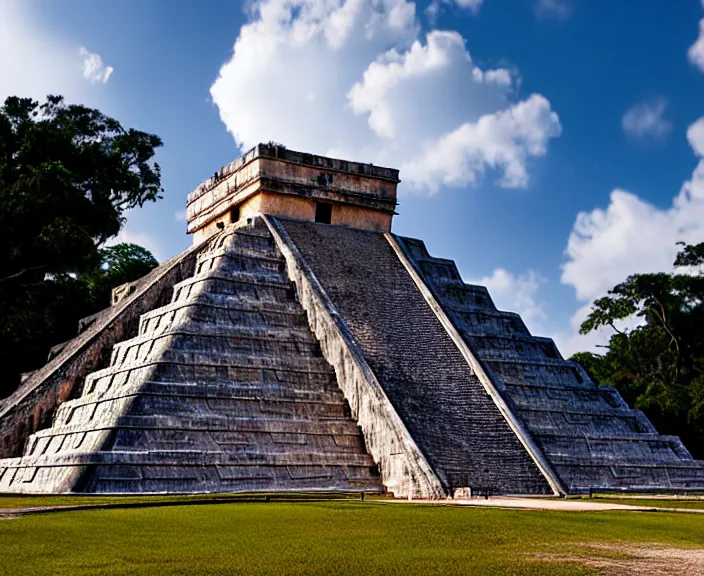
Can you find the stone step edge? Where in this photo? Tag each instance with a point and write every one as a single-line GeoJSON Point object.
{"type": "Point", "coordinates": [287, 307]}
{"type": "Point", "coordinates": [258, 333]}
{"type": "Point", "coordinates": [253, 309]}
{"type": "Point", "coordinates": [241, 385]}
{"type": "Point", "coordinates": [138, 393]}
{"type": "Point", "coordinates": [245, 254]}
{"type": "Point", "coordinates": [123, 368]}
{"type": "Point", "coordinates": [270, 360]}
{"type": "Point", "coordinates": [124, 347]}
{"type": "Point", "coordinates": [642, 437]}
{"type": "Point", "coordinates": [199, 458]}
{"type": "Point", "coordinates": [545, 364]}
{"type": "Point", "coordinates": [251, 279]}
{"type": "Point", "coordinates": [516, 337]}
{"type": "Point", "coordinates": [340, 426]}
{"type": "Point", "coordinates": [615, 413]}
{"type": "Point", "coordinates": [455, 307]}
{"type": "Point", "coordinates": [324, 397]}
{"type": "Point", "coordinates": [589, 388]}
{"type": "Point", "coordinates": [599, 462]}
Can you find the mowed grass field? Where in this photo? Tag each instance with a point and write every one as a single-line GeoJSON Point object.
{"type": "Point", "coordinates": [328, 537]}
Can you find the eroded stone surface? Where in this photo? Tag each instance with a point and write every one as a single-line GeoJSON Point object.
{"type": "Point", "coordinates": [262, 367]}
{"type": "Point", "coordinates": [32, 406]}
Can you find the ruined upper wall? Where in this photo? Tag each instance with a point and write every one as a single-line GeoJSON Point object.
{"type": "Point", "coordinates": [275, 180]}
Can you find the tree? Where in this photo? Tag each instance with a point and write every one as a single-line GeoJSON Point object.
{"type": "Point", "coordinates": [68, 173]}
{"type": "Point", "coordinates": [659, 365]}
{"type": "Point", "coordinates": [119, 264]}
{"type": "Point", "coordinates": [46, 313]}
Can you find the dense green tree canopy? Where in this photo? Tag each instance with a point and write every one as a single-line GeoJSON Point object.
{"type": "Point", "coordinates": [119, 264]}
{"type": "Point", "coordinates": [67, 175]}
{"type": "Point", "coordinates": [659, 365]}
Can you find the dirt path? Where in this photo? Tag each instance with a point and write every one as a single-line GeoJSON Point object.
{"type": "Point", "coordinates": [546, 504]}
{"type": "Point", "coordinates": [630, 559]}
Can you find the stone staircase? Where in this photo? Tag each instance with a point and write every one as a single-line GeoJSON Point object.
{"type": "Point", "coordinates": [426, 381]}
{"type": "Point", "coordinates": [222, 390]}
{"type": "Point", "coordinates": [588, 433]}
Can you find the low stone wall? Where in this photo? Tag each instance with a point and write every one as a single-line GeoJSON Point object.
{"type": "Point", "coordinates": [403, 467]}
{"type": "Point", "coordinates": [32, 406]}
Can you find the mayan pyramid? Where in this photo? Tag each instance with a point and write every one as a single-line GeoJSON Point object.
{"type": "Point", "coordinates": [299, 345]}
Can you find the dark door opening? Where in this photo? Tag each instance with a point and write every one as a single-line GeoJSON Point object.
{"type": "Point", "coordinates": [323, 213]}
{"type": "Point", "coordinates": [234, 214]}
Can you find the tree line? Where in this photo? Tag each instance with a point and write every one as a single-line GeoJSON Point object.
{"type": "Point", "coordinates": [658, 366]}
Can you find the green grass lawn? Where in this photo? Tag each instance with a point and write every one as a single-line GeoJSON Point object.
{"type": "Point", "coordinates": [17, 501]}
{"type": "Point", "coordinates": [334, 537]}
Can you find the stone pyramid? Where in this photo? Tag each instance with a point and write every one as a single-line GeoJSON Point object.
{"type": "Point", "coordinates": [300, 346]}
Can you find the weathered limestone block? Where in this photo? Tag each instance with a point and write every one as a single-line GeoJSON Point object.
{"type": "Point", "coordinates": [274, 180]}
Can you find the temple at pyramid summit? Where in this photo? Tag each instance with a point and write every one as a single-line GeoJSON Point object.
{"type": "Point", "coordinates": [300, 345]}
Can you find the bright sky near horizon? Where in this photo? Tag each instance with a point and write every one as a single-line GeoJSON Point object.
{"type": "Point", "coordinates": [549, 147]}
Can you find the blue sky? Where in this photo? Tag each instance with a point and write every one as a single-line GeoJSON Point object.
{"type": "Point", "coordinates": [541, 143]}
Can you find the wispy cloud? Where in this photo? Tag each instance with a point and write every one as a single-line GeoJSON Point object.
{"type": "Point", "coordinates": [646, 119]}
{"type": "Point", "coordinates": [35, 60]}
{"type": "Point", "coordinates": [93, 68]}
{"type": "Point", "coordinates": [558, 9]}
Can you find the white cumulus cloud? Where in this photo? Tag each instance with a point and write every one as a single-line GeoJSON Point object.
{"type": "Point", "coordinates": [647, 119]}
{"type": "Point", "coordinates": [632, 236]}
{"type": "Point", "coordinates": [502, 140]}
{"type": "Point", "coordinates": [93, 68]}
{"type": "Point", "coordinates": [355, 78]}
{"type": "Point", "coordinates": [696, 50]}
{"type": "Point", "coordinates": [517, 293]}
